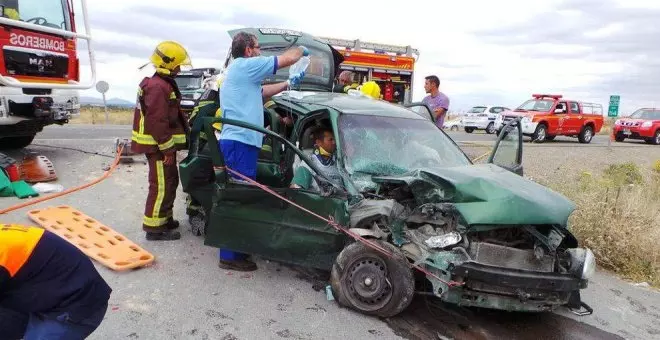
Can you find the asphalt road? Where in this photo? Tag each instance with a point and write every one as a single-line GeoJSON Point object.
{"type": "Point", "coordinates": [184, 295]}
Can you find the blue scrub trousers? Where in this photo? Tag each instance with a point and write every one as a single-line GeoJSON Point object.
{"type": "Point", "coordinates": [242, 158]}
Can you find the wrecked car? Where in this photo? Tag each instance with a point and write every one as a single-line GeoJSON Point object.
{"type": "Point", "coordinates": [483, 235]}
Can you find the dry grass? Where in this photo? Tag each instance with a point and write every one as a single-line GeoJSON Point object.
{"type": "Point", "coordinates": [618, 217]}
{"type": "Point", "coordinates": [96, 115]}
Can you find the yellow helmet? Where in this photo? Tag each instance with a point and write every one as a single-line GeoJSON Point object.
{"type": "Point", "coordinates": [371, 89]}
{"type": "Point", "coordinates": [168, 55]}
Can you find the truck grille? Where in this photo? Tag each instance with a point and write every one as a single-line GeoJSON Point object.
{"type": "Point", "coordinates": [27, 62]}
{"type": "Point", "coordinates": [512, 258]}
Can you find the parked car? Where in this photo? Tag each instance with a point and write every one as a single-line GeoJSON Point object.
{"type": "Point", "coordinates": [643, 124]}
{"type": "Point", "coordinates": [453, 125]}
{"type": "Point", "coordinates": [483, 234]}
{"type": "Point", "coordinates": [482, 118]}
{"type": "Point", "coordinates": [546, 116]}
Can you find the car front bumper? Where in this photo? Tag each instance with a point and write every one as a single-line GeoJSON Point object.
{"type": "Point", "coordinates": [633, 132]}
{"type": "Point", "coordinates": [476, 124]}
{"type": "Point", "coordinates": [528, 127]}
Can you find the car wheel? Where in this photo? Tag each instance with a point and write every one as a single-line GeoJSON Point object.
{"type": "Point", "coordinates": [619, 138]}
{"type": "Point", "coordinates": [469, 129]}
{"type": "Point", "coordinates": [9, 143]}
{"type": "Point", "coordinates": [370, 282]}
{"type": "Point", "coordinates": [586, 134]}
{"type": "Point", "coordinates": [453, 128]}
{"type": "Point", "coordinates": [540, 134]}
{"type": "Point", "coordinates": [656, 138]}
{"type": "Point", "coordinates": [490, 129]}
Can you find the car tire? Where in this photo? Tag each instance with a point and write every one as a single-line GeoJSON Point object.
{"type": "Point", "coordinates": [540, 134]}
{"type": "Point", "coordinates": [469, 130]}
{"type": "Point", "coordinates": [586, 135]}
{"type": "Point", "coordinates": [655, 140]}
{"type": "Point", "coordinates": [387, 283]}
{"type": "Point", "coordinates": [619, 138]}
{"type": "Point", "coordinates": [490, 129]}
{"type": "Point", "coordinates": [453, 128]}
{"type": "Point", "coordinates": [550, 138]}
{"type": "Point", "coordinates": [10, 143]}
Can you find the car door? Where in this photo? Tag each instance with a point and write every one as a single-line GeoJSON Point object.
{"type": "Point", "coordinates": [252, 219]}
{"type": "Point", "coordinates": [422, 110]}
{"type": "Point", "coordinates": [573, 122]}
{"type": "Point", "coordinates": [507, 152]}
{"type": "Point", "coordinates": [558, 118]}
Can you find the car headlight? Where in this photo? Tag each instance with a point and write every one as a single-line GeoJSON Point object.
{"type": "Point", "coordinates": [647, 125]}
{"type": "Point", "coordinates": [618, 122]}
{"type": "Point", "coordinates": [583, 262]}
{"type": "Point", "coordinates": [526, 120]}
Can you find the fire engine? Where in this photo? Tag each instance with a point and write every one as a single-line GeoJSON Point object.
{"type": "Point", "coordinates": [391, 66]}
{"type": "Point", "coordinates": [39, 67]}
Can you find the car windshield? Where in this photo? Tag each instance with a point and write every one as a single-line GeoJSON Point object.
{"type": "Point", "coordinates": [47, 13]}
{"type": "Point", "coordinates": [646, 114]}
{"type": "Point", "coordinates": [380, 145]}
{"type": "Point", "coordinates": [188, 83]}
{"type": "Point", "coordinates": [541, 105]}
{"type": "Point", "coordinates": [477, 109]}
{"type": "Point", "coordinates": [318, 72]}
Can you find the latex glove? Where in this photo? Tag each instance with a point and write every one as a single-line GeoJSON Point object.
{"type": "Point", "coordinates": [296, 79]}
{"type": "Point", "coordinates": [305, 50]}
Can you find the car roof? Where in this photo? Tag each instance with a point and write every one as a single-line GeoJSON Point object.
{"type": "Point", "coordinates": [350, 104]}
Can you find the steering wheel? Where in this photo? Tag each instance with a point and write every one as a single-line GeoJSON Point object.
{"type": "Point", "coordinates": [41, 21]}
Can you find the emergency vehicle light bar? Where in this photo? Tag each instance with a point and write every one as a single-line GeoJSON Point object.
{"type": "Point", "coordinates": [73, 85]}
{"type": "Point", "coordinates": [356, 45]}
{"type": "Point", "coordinates": [553, 96]}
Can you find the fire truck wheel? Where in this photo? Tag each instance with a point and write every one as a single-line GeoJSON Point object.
{"type": "Point", "coordinates": [586, 134]}
{"type": "Point", "coordinates": [541, 133]}
{"type": "Point", "coordinates": [9, 143]}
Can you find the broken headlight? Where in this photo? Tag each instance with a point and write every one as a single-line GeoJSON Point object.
{"type": "Point", "coordinates": [583, 262]}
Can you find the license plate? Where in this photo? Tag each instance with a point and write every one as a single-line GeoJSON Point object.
{"type": "Point", "coordinates": [627, 132]}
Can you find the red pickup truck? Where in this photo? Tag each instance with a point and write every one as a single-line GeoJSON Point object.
{"type": "Point", "coordinates": [546, 116]}
{"type": "Point", "coordinates": [643, 124]}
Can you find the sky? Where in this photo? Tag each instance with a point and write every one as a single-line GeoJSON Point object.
{"type": "Point", "coordinates": [484, 52]}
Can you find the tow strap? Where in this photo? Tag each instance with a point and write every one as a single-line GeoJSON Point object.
{"type": "Point", "coordinates": [331, 221]}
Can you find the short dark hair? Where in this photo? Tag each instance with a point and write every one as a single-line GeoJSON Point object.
{"type": "Point", "coordinates": [433, 79]}
{"type": "Point", "coordinates": [240, 42]}
{"type": "Point", "coordinates": [320, 131]}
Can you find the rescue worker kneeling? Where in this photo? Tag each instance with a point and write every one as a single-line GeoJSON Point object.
{"type": "Point", "coordinates": [323, 157]}
{"type": "Point", "coordinates": [49, 289]}
{"type": "Point", "coordinates": [159, 130]}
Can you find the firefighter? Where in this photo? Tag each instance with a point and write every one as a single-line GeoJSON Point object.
{"type": "Point", "coordinates": [10, 9]}
{"type": "Point", "coordinates": [49, 289]}
{"type": "Point", "coordinates": [371, 89]}
{"type": "Point", "coordinates": [159, 130]}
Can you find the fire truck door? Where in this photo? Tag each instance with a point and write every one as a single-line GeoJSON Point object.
{"type": "Point", "coordinates": [558, 119]}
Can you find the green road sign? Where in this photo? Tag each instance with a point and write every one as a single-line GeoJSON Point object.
{"type": "Point", "coordinates": [613, 109]}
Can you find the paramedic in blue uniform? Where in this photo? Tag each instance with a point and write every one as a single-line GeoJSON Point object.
{"type": "Point", "coordinates": [49, 289]}
{"type": "Point", "coordinates": [242, 98]}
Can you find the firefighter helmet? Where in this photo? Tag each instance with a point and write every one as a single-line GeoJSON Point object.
{"type": "Point", "coordinates": [371, 89]}
{"type": "Point", "coordinates": [169, 55]}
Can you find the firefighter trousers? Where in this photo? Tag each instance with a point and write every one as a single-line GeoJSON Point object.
{"type": "Point", "coordinates": [163, 182]}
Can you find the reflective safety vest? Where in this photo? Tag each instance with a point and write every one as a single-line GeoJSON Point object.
{"type": "Point", "coordinates": [158, 122]}
{"type": "Point", "coordinates": [16, 246]}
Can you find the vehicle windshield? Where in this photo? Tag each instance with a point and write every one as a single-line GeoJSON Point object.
{"type": "Point", "coordinates": [646, 114]}
{"type": "Point", "coordinates": [48, 13]}
{"type": "Point", "coordinates": [477, 109]}
{"type": "Point", "coordinates": [541, 105]}
{"type": "Point", "coordinates": [188, 83]}
{"type": "Point", "coordinates": [378, 145]}
{"type": "Point", "coordinates": [319, 71]}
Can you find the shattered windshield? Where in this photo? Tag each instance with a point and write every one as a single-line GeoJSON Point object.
{"type": "Point", "coordinates": [646, 114]}
{"type": "Point", "coordinates": [378, 145]}
{"type": "Point", "coordinates": [536, 105]}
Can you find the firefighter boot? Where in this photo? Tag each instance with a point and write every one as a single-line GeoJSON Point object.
{"type": "Point", "coordinates": [166, 235]}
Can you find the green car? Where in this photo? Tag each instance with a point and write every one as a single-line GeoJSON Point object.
{"type": "Point", "coordinates": [411, 213]}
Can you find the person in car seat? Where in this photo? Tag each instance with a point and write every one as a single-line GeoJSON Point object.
{"type": "Point", "coordinates": [323, 157]}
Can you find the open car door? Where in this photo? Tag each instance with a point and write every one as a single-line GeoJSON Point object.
{"type": "Point", "coordinates": [422, 110]}
{"type": "Point", "coordinates": [507, 152]}
{"type": "Point", "coordinates": [247, 218]}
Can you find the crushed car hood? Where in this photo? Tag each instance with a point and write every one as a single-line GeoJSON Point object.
{"type": "Point", "coordinates": [487, 194]}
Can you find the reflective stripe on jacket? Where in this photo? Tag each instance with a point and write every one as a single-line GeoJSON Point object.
{"type": "Point", "coordinates": [158, 122]}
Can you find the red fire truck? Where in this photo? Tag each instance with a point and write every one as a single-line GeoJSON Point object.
{"type": "Point", "coordinates": [391, 66]}
{"type": "Point", "coordinates": [39, 67]}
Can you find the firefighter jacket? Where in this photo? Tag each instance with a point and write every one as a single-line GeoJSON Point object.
{"type": "Point", "coordinates": [208, 106]}
{"type": "Point", "coordinates": [158, 122]}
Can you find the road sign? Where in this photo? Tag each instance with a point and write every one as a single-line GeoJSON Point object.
{"type": "Point", "coordinates": [103, 87]}
{"type": "Point", "coordinates": [613, 109]}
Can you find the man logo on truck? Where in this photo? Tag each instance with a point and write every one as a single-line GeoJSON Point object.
{"type": "Point", "coordinates": [36, 42]}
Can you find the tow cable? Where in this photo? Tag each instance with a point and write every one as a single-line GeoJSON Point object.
{"type": "Point", "coordinates": [331, 221]}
